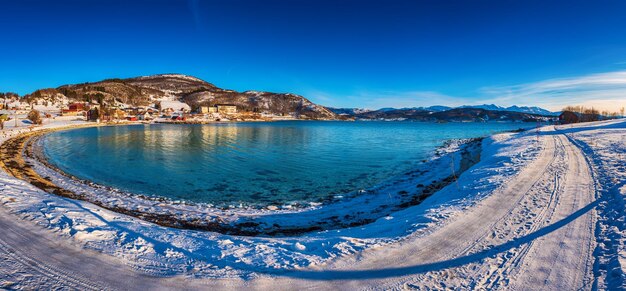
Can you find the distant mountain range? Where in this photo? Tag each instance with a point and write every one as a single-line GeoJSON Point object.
{"type": "Point", "coordinates": [446, 113]}
{"type": "Point", "coordinates": [514, 108]}
{"type": "Point", "coordinates": [439, 108]}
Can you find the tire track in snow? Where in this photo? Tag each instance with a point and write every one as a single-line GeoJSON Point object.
{"type": "Point", "coordinates": [38, 266]}
{"type": "Point", "coordinates": [489, 274]}
{"type": "Point", "coordinates": [563, 259]}
{"type": "Point", "coordinates": [520, 220]}
{"type": "Point", "coordinates": [527, 225]}
{"type": "Point", "coordinates": [563, 175]}
{"type": "Point", "coordinates": [53, 265]}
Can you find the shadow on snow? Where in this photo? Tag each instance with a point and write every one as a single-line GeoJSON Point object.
{"type": "Point", "coordinates": [436, 266]}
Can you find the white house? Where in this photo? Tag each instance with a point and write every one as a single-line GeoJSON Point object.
{"type": "Point", "coordinates": [175, 106]}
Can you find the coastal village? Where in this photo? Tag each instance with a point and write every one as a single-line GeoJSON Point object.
{"type": "Point", "coordinates": [165, 111]}
{"type": "Point", "coordinates": [166, 98]}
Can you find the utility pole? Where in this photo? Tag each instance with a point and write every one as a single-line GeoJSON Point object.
{"type": "Point", "coordinates": [537, 130]}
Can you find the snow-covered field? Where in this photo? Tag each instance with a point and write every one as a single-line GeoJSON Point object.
{"type": "Point", "coordinates": [539, 211]}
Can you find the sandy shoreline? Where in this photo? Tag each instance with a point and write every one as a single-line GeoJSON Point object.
{"type": "Point", "coordinates": [22, 157]}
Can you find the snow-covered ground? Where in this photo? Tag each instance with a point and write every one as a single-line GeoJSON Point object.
{"type": "Point", "coordinates": [604, 145]}
{"type": "Point", "coordinates": [527, 216]}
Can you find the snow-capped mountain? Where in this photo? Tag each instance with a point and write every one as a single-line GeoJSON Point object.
{"type": "Point", "coordinates": [467, 114]}
{"type": "Point", "coordinates": [532, 109]}
{"type": "Point", "coordinates": [441, 108]}
{"type": "Point", "coordinates": [348, 111]}
{"type": "Point", "coordinates": [437, 108]}
{"type": "Point", "coordinates": [357, 111]}
{"type": "Point", "coordinates": [514, 108]}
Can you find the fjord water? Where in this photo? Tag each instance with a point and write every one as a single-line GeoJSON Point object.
{"type": "Point", "coordinates": [252, 163]}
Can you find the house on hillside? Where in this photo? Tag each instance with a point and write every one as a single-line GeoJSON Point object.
{"type": "Point", "coordinates": [175, 106]}
{"type": "Point", "coordinates": [145, 116]}
{"type": "Point", "coordinates": [202, 110]}
{"type": "Point", "coordinates": [17, 105]}
{"type": "Point", "coordinates": [74, 109]}
{"type": "Point", "coordinates": [93, 114]}
{"type": "Point", "coordinates": [93, 105]}
{"type": "Point", "coordinates": [118, 114]}
{"type": "Point", "coordinates": [568, 117]}
{"type": "Point", "coordinates": [226, 108]}
{"type": "Point", "coordinates": [167, 112]}
{"type": "Point", "coordinates": [132, 111]}
{"type": "Point", "coordinates": [206, 109]}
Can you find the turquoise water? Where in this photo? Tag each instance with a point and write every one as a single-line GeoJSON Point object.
{"type": "Point", "coordinates": [252, 163]}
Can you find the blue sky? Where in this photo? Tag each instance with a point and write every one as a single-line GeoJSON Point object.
{"type": "Point", "coordinates": [337, 53]}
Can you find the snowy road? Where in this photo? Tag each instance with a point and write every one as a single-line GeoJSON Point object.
{"type": "Point", "coordinates": [535, 232]}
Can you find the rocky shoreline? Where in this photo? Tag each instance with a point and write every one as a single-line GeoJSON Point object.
{"type": "Point", "coordinates": [21, 156]}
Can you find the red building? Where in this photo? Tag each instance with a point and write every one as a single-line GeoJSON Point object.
{"type": "Point", "coordinates": [77, 107]}
{"type": "Point", "coordinates": [74, 109]}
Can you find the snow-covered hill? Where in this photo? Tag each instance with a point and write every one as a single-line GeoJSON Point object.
{"type": "Point", "coordinates": [148, 90]}
{"type": "Point", "coordinates": [348, 111]}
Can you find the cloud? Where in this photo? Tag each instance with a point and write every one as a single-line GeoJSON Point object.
{"type": "Point", "coordinates": [407, 99]}
{"type": "Point", "coordinates": [602, 90]}
{"type": "Point", "coordinates": [381, 99]}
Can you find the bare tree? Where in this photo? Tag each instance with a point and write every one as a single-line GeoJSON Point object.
{"type": "Point", "coordinates": [34, 116]}
{"type": "Point", "coordinates": [3, 118]}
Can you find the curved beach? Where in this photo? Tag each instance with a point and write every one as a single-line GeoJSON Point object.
{"type": "Point", "coordinates": [23, 157]}
{"type": "Point", "coordinates": [529, 193]}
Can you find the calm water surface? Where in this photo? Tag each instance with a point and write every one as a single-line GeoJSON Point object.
{"type": "Point", "coordinates": [252, 163]}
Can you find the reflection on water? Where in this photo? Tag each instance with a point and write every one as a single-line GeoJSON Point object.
{"type": "Point", "coordinates": [252, 163]}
